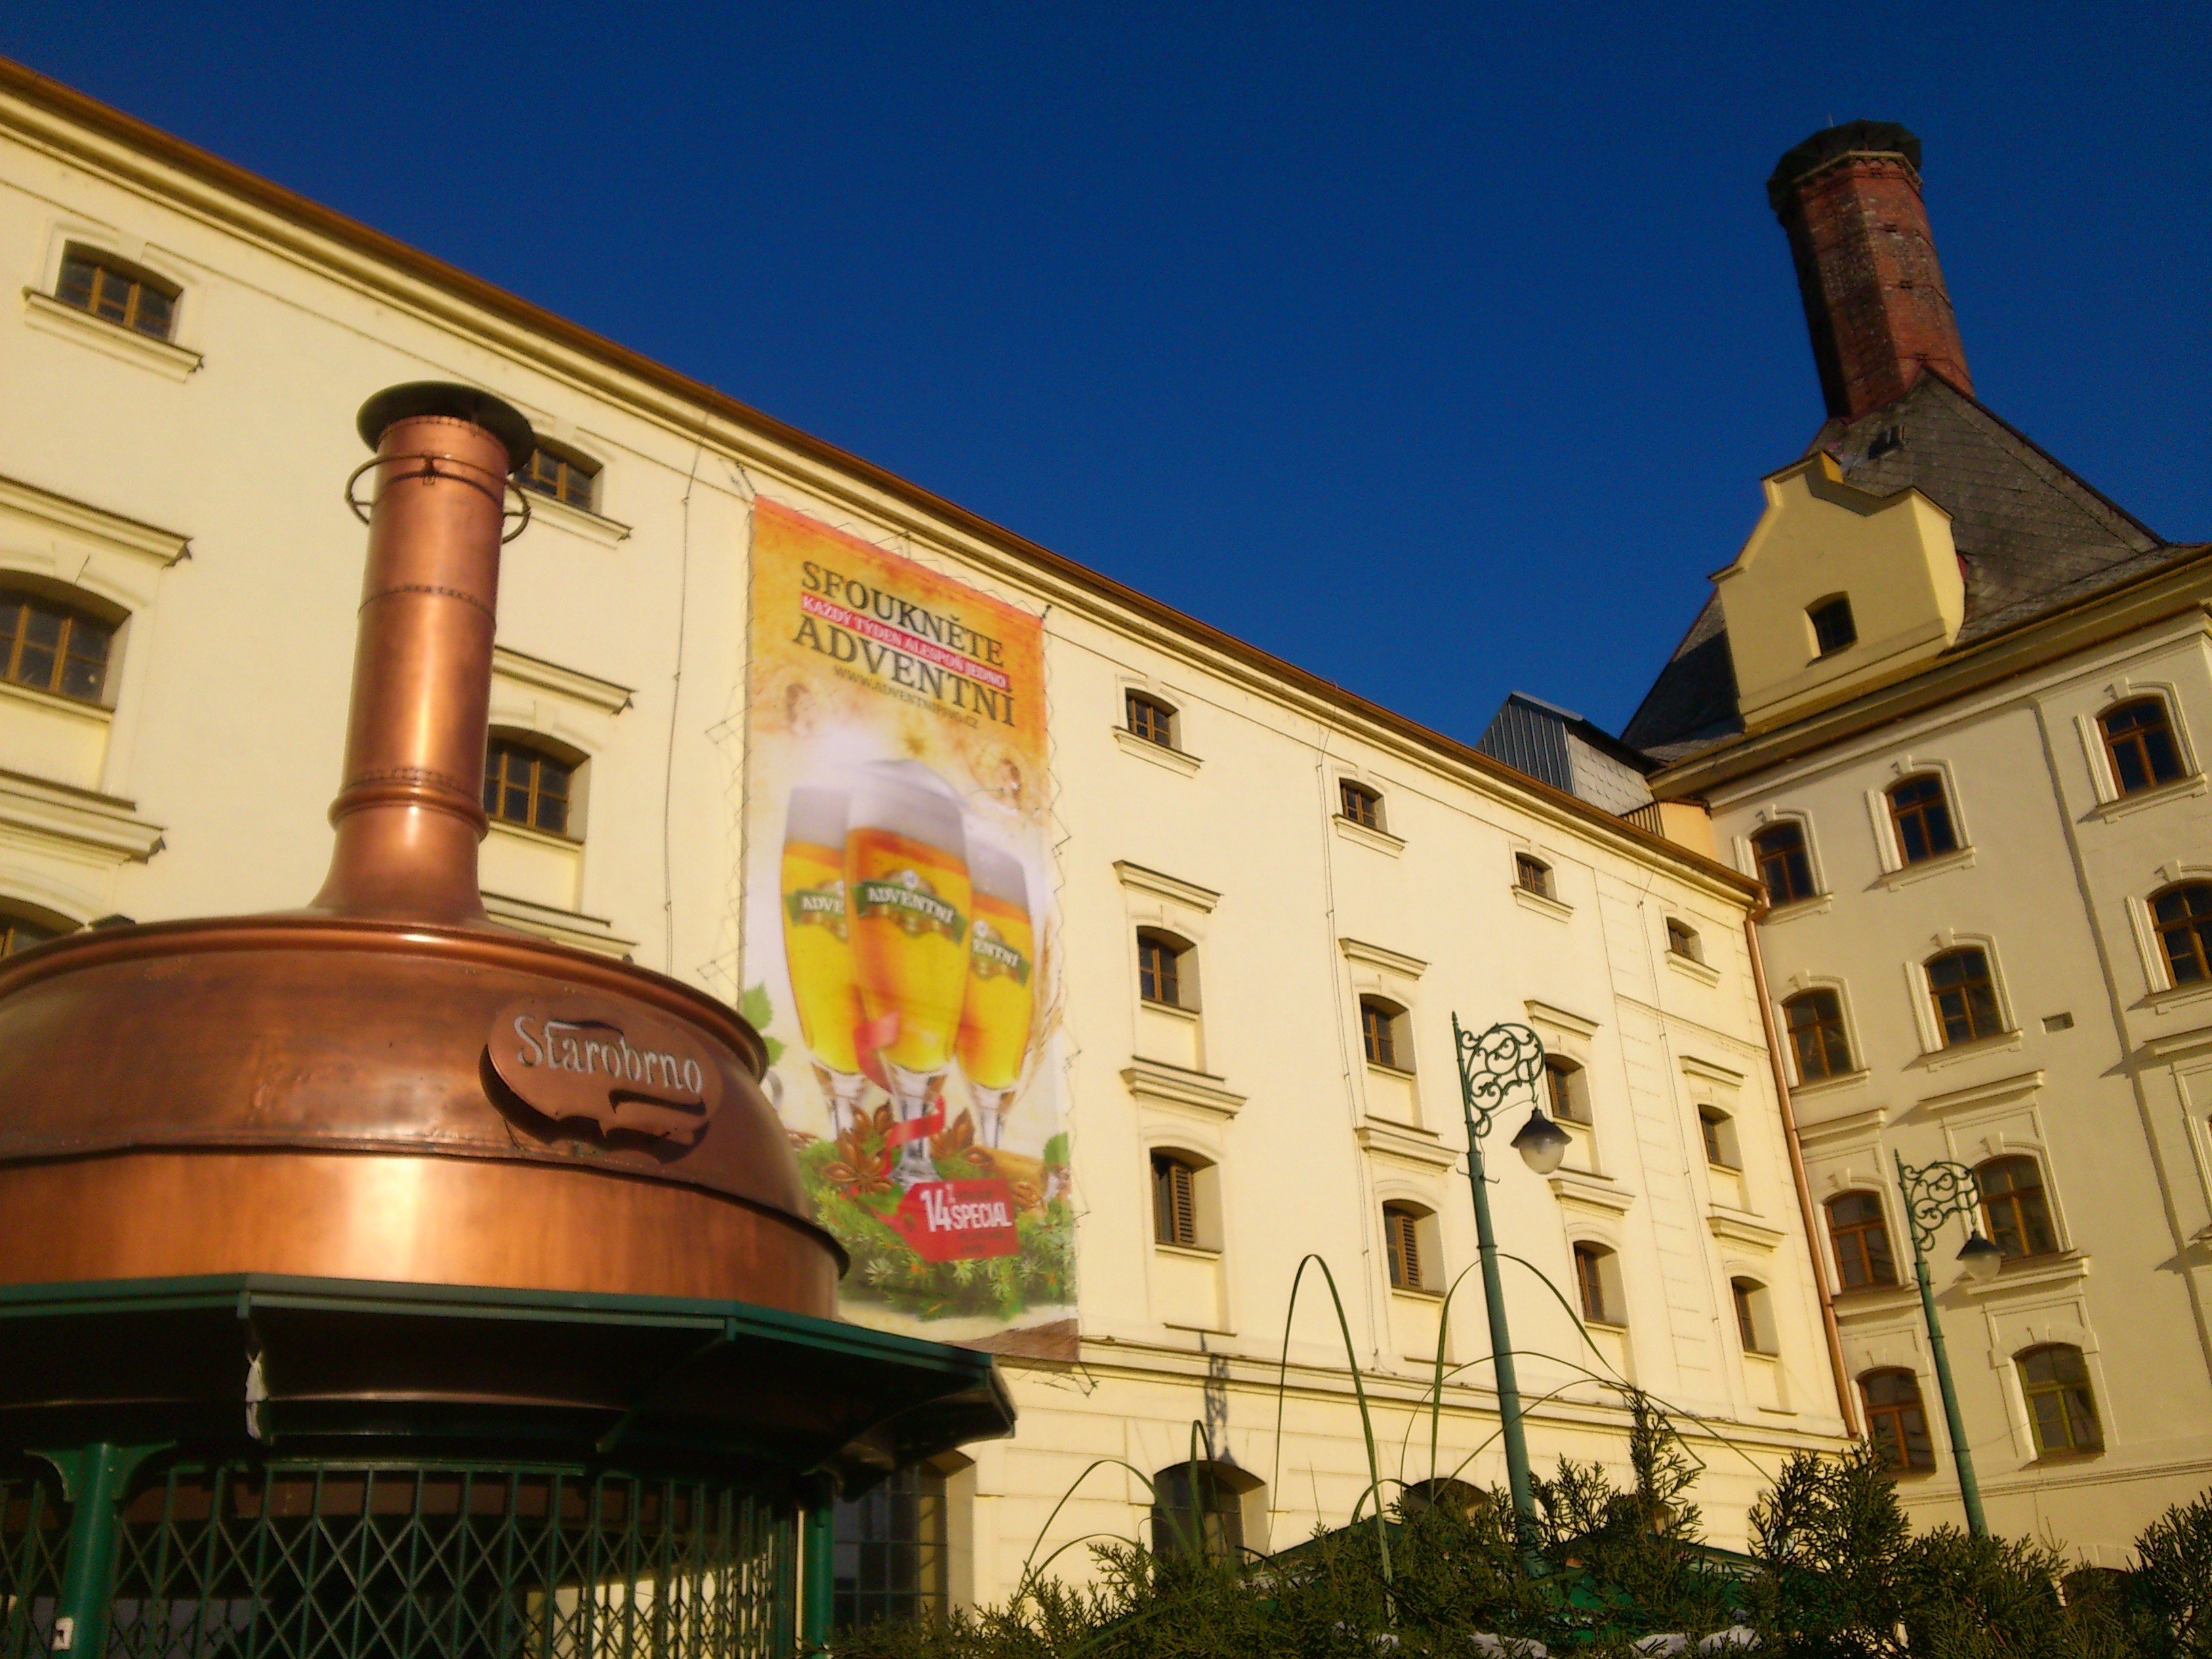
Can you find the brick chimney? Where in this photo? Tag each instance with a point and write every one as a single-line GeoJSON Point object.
{"type": "Point", "coordinates": [1874, 300]}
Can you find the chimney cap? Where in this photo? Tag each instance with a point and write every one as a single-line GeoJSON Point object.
{"type": "Point", "coordinates": [415, 399]}
{"type": "Point", "coordinates": [1832, 144]}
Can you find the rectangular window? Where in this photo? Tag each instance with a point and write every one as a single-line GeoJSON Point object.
{"type": "Point", "coordinates": [1682, 941]}
{"type": "Point", "coordinates": [1175, 1202]}
{"type": "Point", "coordinates": [1402, 1228]}
{"type": "Point", "coordinates": [1965, 996]}
{"type": "Point", "coordinates": [1362, 805]}
{"type": "Point", "coordinates": [1589, 1280]}
{"type": "Point", "coordinates": [1923, 819]}
{"type": "Point", "coordinates": [1158, 977]}
{"type": "Point", "coordinates": [1378, 1035]}
{"type": "Point", "coordinates": [562, 477]}
{"type": "Point", "coordinates": [112, 290]}
{"type": "Point", "coordinates": [1533, 874]}
{"type": "Point", "coordinates": [1784, 864]}
{"type": "Point", "coordinates": [1833, 627]}
{"type": "Point", "coordinates": [1151, 719]}
{"type": "Point", "coordinates": [1861, 1241]}
{"type": "Point", "coordinates": [890, 1550]}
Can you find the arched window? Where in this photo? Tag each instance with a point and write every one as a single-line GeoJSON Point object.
{"type": "Point", "coordinates": [1895, 1420]}
{"type": "Point", "coordinates": [1860, 1237]}
{"type": "Point", "coordinates": [1361, 805]}
{"type": "Point", "coordinates": [20, 932]}
{"type": "Point", "coordinates": [1784, 864]}
{"type": "Point", "coordinates": [1815, 1023]}
{"type": "Point", "coordinates": [2183, 915]}
{"type": "Point", "coordinates": [2139, 742]}
{"type": "Point", "coordinates": [890, 1552]}
{"type": "Point", "coordinates": [1533, 875]}
{"type": "Point", "coordinates": [1409, 1233]}
{"type": "Point", "coordinates": [1922, 817]}
{"type": "Point", "coordinates": [97, 281]}
{"type": "Point", "coordinates": [1597, 1279]}
{"type": "Point", "coordinates": [562, 477]}
{"type": "Point", "coordinates": [1966, 997]}
{"type": "Point", "coordinates": [1833, 627]}
{"type": "Point", "coordinates": [2060, 1406]}
{"type": "Point", "coordinates": [1151, 719]}
{"type": "Point", "coordinates": [1181, 1201]}
{"type": "Point", "coordinates": [2015, 1208]}
{"type": "Point", "coordinates": [1382, 1034]}
{"type": "Point", "coordinates": [1754, 1316]}
{"type": "Point", "coordinates": [50, 645]}
{"type": "Point", "coordinates": [1566, 1090]}
{"type": "Point", "coordinates": [1454, 1498]}
{"type": "Point", "coordinates": [1198, 1509]}
{"type": "Point", "coordinates": [529, 784]}
{"type": "Point", "coordinates": [1162, 964]}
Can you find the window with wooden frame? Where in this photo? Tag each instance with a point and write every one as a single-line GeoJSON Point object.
{"type": "Point", "coordinates": [1814, 1020]}
{"type": "Point", "coordinates": [2139, 742]}
{"type": "Point", "coordinates": [1198, 1511]}
{"type": "Point", "coordinates": [1754, 1316]}
{"type": "Point", "coordinates": [1896, 1422]}
{"type": "Point", "coordinates": [1833, 627]}
{"type": "Point", "coordinates": [1597, 1284]}
{"type": "Point", "coordinates": [1532, 875]}
{"type": "Point", "coordinates": [2015, 1208]}
{"type": "Point", "coordinates": [1718, 1132]}
{"type": "Point", "coordinates": [1682, 941]}
{"type": "Point", "coordinates": [1784, 863]}
{"type": "Point", "coordinates": [1151, 719]}
{"type": "Point", "coordinates": [117, 292]}
{"type": "Point", "coordinates": [1403, 1227]}
{"type": "Point", "coordinates": [528, 786]}
{"type": "Point", "coordinates": [569, 479]}
{"type": "Point", "coordinates": [1160, 974]}
{"type": "Point", "coordinates": [1382, 1034]}
{"type": "Point", "coordinates": [2060, 1406]}
{"type": "Point", "coordinates": [53, 646]}
{"type": "Point", "coordinates": [1362, 805]}
{"type": "Point", "coordinates": [1566, 1090]}
{"type": "Point", "coordinates": [1965, 995]}
{"type": "Point", "coordinates": [1175, 1201]}
{"type": "Point", "coordinates": [19, 933]}
{"type": "Point", "coordinates": [1861, 1236]}
{"type": "Point", "coordinates": [2182, 916]}
{"type": "Point", "coordinates": [1922, 819]}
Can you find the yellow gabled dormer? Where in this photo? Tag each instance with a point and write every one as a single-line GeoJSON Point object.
{"type": "Point", "coordinates": [1836, 591]}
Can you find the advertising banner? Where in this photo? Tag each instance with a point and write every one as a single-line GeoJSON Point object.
{"type": "Point", "coordinates": [900, 935]}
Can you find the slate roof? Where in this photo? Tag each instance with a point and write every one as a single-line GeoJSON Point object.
{"type": "Point", "coordinates": [2034, 536]}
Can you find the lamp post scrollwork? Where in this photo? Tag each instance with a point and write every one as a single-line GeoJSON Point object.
{"type": "Point", "coordinates": [1933, 1194]}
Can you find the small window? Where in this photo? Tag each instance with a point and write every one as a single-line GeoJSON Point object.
{"type": "Point", "coordinates": [1965, 998]}
{"type": "Point", "coordinates": [1403, 1227]}
{"type": "Point", "coordinates": [1597, 1278]}
{"type": "Point", "coordinates": [1174, 1199]}
{"type": "Point", "coordinates": [1857, 1228]}
{"type": "Point", "coordinates": [1833, 627]}
{"type": "Point", "coordinates": [2056, 1380]}
{"type": "Point", "coordinates": [2015, 1207]}
{"type": "Point", "coordinates": [2183, 917]}
{"type": "Point", "coordinates": [1151, 719]}
{"type": "Point", "coordinates": [1533, 875]}
{"type": "Point", "coordinates": [1196, 1510]}
{"type": "Point", "coordinates": [52, 646]}
{"type": "Point", "coordinates": [19, 933]}
{"type": "Point", "coordinates": [1922, 817]}
{"type": "Point", "coordinates": [527, 786]}
{"type": "Point", "coordinates": [1362, 805]}
{"type": "Point", "coordinates": [563, 479]}
{"type": "Point", "coordinates": [1895, 1421]}
{"type": "Point", "coordinates": [891, 1553]}
{"type": "Point", "coordinates": [1381, 1034]}
{"type": "Point", "coordinates": [1783, 863]}
{"type": "Point", "coordinates": [1160, 969]}
{"type": "Point", "coordinates": [1815, 1020]}
{"type": "Point", "coordinates": [109, 288]}
{"type": "Point", "coordinates": [1719, 1133]}
{"type": "Point", "coordinates": [1682, 941]}
{"type": "Point", "coordinates": [2139, 741]}
{"type": "Point", "coordinates": [1454, 1498]}
{"type": "Point", "coordinates": [1754, 1316]}
{"type": "Point", "coordinates": [1566, 1087]}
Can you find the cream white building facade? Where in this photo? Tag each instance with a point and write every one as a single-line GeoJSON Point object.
{"type": "Point", "coordinates": [179, 489]}
{"type": "Point", "coordinates": [1978, 794]}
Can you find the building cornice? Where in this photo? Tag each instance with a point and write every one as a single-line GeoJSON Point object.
{"type": "Point", "coordinates": [108, 142]}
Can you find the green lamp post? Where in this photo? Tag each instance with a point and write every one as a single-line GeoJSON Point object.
{"type": "Point", "coordinates": [1505, 1060]}
{"type": "Point", "coordinates": [1932, 1192]}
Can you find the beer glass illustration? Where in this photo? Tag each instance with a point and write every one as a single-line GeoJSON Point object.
{"type": "Point", "coordinates": [995, 1022]}
{"type": "Point", "coordinates": [907, 889]}
{"type": "Point", "coordinates": [817, 948]}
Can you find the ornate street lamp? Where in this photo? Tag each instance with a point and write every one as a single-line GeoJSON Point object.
{"type": "Point", "coordinates": [1933, 1192]}
{"type": "Point", "coordinates": [1505, 1060]}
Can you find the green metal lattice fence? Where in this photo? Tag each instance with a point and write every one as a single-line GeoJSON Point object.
{"type": "Point", "coordinates": [33, 1540]}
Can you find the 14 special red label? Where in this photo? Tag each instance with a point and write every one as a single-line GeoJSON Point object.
{"type": "Point", "coordinates": [957, 1220]}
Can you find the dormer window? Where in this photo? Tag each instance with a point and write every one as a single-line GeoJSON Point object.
{"type": "Point", "coordinates": [1833, 627]}
{"type": "Point", "coordinates": [109, 288]}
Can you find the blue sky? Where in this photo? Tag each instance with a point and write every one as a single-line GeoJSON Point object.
{"type": "Point", "coordinates": [1439, 349]}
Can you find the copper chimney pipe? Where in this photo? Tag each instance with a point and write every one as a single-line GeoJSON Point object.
{"type": "Point", "coordinates": [409, 812]}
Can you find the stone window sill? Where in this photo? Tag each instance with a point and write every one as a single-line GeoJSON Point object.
{"type": "Point", "coordinates": [1830, 1085]}
{"type": "Point", "coordinates": [1188, 1252]}
{"type": "Point", "coordinates": [1381, 840]}
{"type": "Point", "coordinates": [2121, 806]}
{"type": "Point", "coordinates": [2033, 1273]}
{"type": "Point", "coordinates": [1542, 903]}
{"type": "Point", "coordinates": [592, 527]}
{"type": "Point", "coordinates": [1905, 875]}
{"type": "Point", "coordinates": [1936, 1060]}
{"type": "Point", "coordinates": [50, 316]}
{"type": "Point", "coordinates": [537, 837]}
{"type": "Point", "coordinates": [75, 708]}
{"type": "Point", "coordinates": [1691, 968]}
{"type": "Point", "coordinates": [1417, 1293]}
{"type": "Point", "coordinates": [1818, 905]}
{"type": "Point", "coordinates": [1175, 760]}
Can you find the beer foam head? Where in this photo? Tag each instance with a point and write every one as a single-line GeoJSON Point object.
{"type": "Point", "coordinates": [908, 798]}
{"type": "Point", "coordinates": [994, 869]}
{"type": "Point", "coordinates": [817, 814]}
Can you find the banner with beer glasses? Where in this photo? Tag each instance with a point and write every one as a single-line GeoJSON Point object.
{"type": "Point", "coordinates": [898, 932]}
